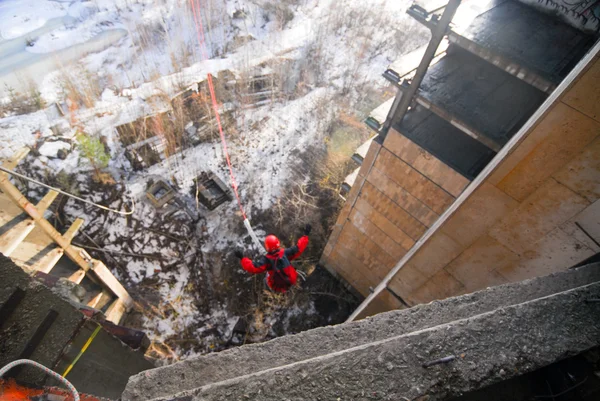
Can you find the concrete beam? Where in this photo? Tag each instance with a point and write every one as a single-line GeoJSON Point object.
{"type": "Point", "coordinates": [107, 362]}
{"type": "Point", "coordinates": [200, 371]}
{"type": "Point", "coordinates": [486, 349]}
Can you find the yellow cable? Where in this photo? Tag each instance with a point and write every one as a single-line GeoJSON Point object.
{"type": "Point", "coordinates": [85, 347]}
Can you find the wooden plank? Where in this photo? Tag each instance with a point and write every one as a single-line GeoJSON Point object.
{"type": "Point", "coordinates": [108, 279]}
{"type": "Point", "coordinates": [46, 201]}
{"type": "Point", "coordinates": [83, 253]}
{"type": "Point", "coordinates": [76, 254]}
{"type": "Point", "coordinates": [15, 159]}
{"type": "Point", "coordinates": [115, 311]}
{"type": "Point", "coordinates": [100, 300]}
{"type": "Point", "coordinates": [553, 152]}
{"type": "Point", "coordinates": [425, 163]}
{"type": "Point", "coordinates": [9, 212]}
{"type": "Point", "coordinates": [441, 285]}
{"type": "Point", "coordinates": [77, 277]}
{"type": "Point", "coordinates": [385, 225]}
{"type": "Point", "coordinates": [72, 231]}
{"type": "Point", "coordinates": [394, 213]}
{"type": "Point", "coordinates": [10, 240]}
{"type": "Point", "coordinates": [414, 206]}
{"type": "Point", "coordinates": [377, 235]}
{"type": "Point", "coordinates": [42, 223]}
{"type": "Point", "coordinates": [33, 249]}
{"type": "Point", "coordinates": [582, 174]}
{"type": "Point", "coordinates": [549, 207]}
{"type": "Point", "coordinates": [48, 261]}
{"type": "Point", "coordinates": [415, 183]}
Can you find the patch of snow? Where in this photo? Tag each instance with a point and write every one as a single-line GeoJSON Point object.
{"type": "Point", "coordinates": [351, 47]}
{"type": "Point", "coordinates": [19, 17]}
{"type": "Point", "coordinates": [17, 132]}
{"type": "Point", "coordinates": [69, 36]}
{"type": "Point", "coordinates": [50, 149]}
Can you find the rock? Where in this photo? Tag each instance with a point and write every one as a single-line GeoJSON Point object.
{"type": "Point", "coordinates": [190, 128]}
{"type": "Point", "coordinates": [62, 154]}
{"type": "Point", "coordinates": [239, 14]}
{"type": "Point", "coordinates": [69, 290]}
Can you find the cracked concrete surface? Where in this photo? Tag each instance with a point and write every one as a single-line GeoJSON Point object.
{"type": "Point", "coordinates": [301, 356]}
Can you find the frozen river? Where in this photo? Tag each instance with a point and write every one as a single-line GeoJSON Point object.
{"type": "Point", "coordinates": [18, 66]}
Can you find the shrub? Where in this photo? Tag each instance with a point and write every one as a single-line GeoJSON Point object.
{"type": "Point", "coordinates": [93, 149]}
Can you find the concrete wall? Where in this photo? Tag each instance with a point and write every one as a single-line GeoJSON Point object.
{"type": "Point", "coordinates": [521, 222]}
{"type": "Point", "coordinates": [493, 335]}
{"type": "Point", "coordinates": [104, 368]}
{"type": "Point", "coordinates": [20, 320]}
{"type": "Point", "coordinates": [533, 215]}
{"type": "Point", "coordinates": [399, 192]}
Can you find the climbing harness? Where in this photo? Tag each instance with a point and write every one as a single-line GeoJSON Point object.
{"type": "Point", "coordinates": [200, 33]}
{"type": "Point", "coordinates": [60, 191]}
{"type": "Point", "coordinates": [45, 369]}
{"type": "Point", "coordinates": [278, 268]}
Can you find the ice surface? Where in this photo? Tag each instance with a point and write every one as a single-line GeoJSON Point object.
{"type": "Point", "coordinates": [19, 17]}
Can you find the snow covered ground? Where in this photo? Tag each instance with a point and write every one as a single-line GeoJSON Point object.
{"type": "Point", "coordinates": [20, 17]}
{"type": "Point", "coordinates": [336, 50]}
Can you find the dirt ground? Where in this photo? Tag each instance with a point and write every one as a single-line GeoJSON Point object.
{"type": "Point", "coordinates": [192, 298]}
{"type": "Point", "coordinates": [231, 307]}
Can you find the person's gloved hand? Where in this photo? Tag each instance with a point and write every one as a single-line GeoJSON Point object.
{"type": "Point", "coordinates": [238, 254]}
{"type": "Point", "coordinates": [307, 229]}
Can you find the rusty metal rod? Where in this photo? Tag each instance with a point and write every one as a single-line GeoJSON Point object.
{"type": "Point", "coordinates": [445, 359]}
{"type": "Point", "coordinates": [404, 97]}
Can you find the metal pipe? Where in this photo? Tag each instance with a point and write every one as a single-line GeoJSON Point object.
{"type": "Point", "coordinates": [404, 97]}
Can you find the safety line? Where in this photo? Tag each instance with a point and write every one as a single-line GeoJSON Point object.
{"type": "Point", "coordinates": [213, 97]}
{"type": "Point", "coordinates": [45, 369]}
{"type": "Point", "coordinates": [85, 347]}
{"type": "Point", "coordinates": [60, 191]}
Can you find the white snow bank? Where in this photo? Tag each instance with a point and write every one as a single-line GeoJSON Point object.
{"type": "Point", "coordinates": [67, 36]}
{"type": "Point", "coordinates": [19, 131]}
{"type": "Point", "coordinates": [19, 17]}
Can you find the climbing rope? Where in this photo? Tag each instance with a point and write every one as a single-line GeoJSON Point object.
{"type": "Point", "coordinates": [215, 105]}
{"type": "Point", "coordinates": [60, 191]}
{"type": "Point", "coordinates": [45, 369]}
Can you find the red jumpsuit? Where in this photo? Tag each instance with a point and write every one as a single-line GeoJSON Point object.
{"type": "Point", "coordinates": [281, 275]}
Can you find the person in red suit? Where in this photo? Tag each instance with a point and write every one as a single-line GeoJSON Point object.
{"type": "Point", "coordinates": [281, 275]}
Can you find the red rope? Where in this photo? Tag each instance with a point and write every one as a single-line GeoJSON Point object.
{"type": "Point", "coordinates": [200, 33]}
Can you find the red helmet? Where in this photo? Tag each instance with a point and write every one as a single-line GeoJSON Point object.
{"type": "Point", "coordinates": [272, 243]}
